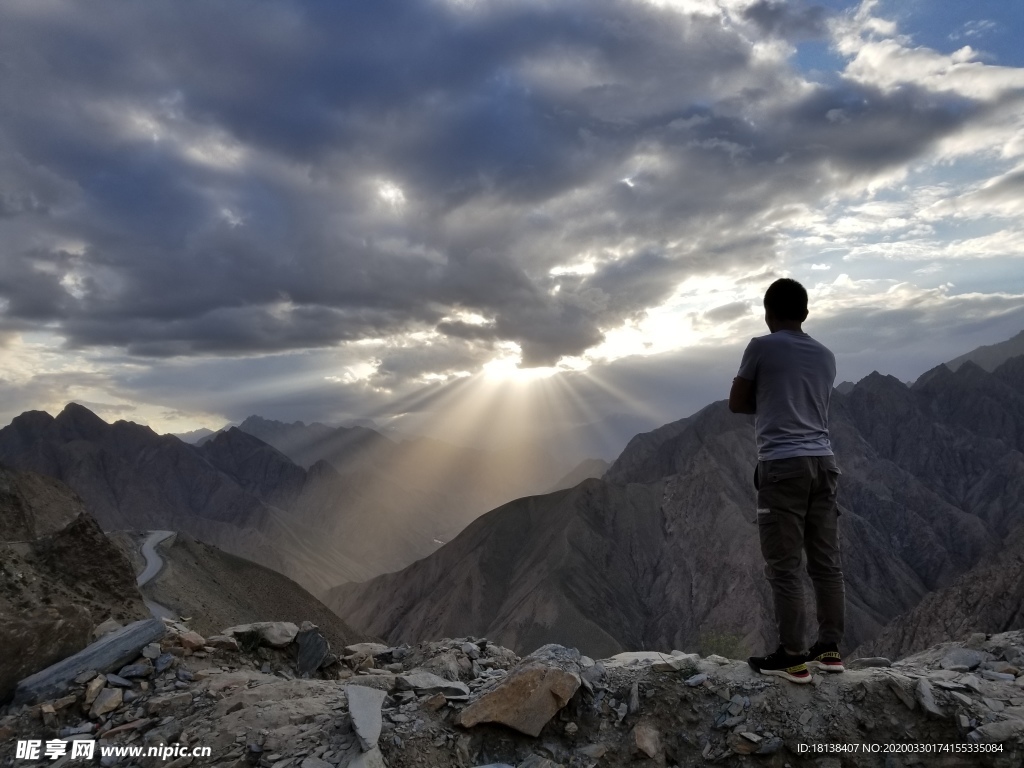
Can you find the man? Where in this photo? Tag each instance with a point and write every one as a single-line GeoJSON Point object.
{"type": "Point", "coordinates": [785, 379]}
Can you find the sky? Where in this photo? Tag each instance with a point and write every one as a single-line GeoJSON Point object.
{"type": "Point", "coordinates": [563, 211]}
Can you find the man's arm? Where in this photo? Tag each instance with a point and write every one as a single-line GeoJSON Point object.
{"type": "Point", "coordinates": [741, 396]}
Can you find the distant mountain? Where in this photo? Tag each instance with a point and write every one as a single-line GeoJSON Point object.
{"type": "Point", "coordinates": [991, 356]}
{"type": "Point", "coordinates": [234, 491]}
{"type": "Point", "coordinates": [661, 552]}
{"type": "Point", "coordinates": [988, 598]}
{"type": "Point", "coordinates": [306, 444]}
{"type": "Point", "coordinates": [586, 469]}
{"type": "Point", "coordinates": [445, 485]}
{"type": "Point", "coordinates": [195, 436]}
{"type": "Point", "coordinates": [59, 576]}
{"type": "Point", "coordinates": [361, 505]}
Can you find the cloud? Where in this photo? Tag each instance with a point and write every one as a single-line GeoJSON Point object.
{"type": "Point", "coordinates": [333, 189]}
{"type": "Point", "coordinates": [790, 20]}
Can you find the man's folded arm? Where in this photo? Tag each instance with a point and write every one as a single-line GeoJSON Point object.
{"type": "Point", "coordinates": [741, 396]}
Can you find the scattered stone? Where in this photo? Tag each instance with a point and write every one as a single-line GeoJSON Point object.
{"type": "Point", "coordinates": [435, 702]}
{"type": "Point", "coordinates": [222, 642]}
{"type": "Point", "coordinates": [358, 649]}
{"type": "Point", "coordinates": [770, 746]}
{"type": "Point", "coordinates": [646, 739]}
{"type": "Point", "coordinates": [925, 697]}
{"type": "Point", "coordinates": [532, 692]}
{"type": "Point", "coordinates": [163, 663]}
{"type": "Point", "coordinates": [371, 759]}
{"type": "Point", "coordinates": [192, 641]}
{"type": "Point", "coordinates": [118, 681]}
{"type": "Point", "coordinates": [696, 680]}
{"type": "Point", "coordinates": [315, 762]}
{"type": "Point", "coordinates": [899, 685]}
{"type": "Point", "coordinates": [868, 662]}
{"type": "Point", "coordinates": [151, 651]}
{"type": "Point", "coordinates": [137, 670]}
{"type": "Point", "coordinates": [1000, 676]}
{"type": "Point", "coordinates": [994, 704]}
{"type": "Point", "coordinates": [634, 698]}
{"type": "Point", "coordinates": [997, 732]}
{"type": "Point", "coordinates": [85, 677]}
{"type": "Point", "coordinates": [428, 683]}
{"type": "Point", "coordinates": [108, 700]}
{"type": "Point", "coordinates": [92, 690]}
{"type": "Point", "coordinates": [740, 745]}
{"type": "Point", "coordinates": [364, 706]}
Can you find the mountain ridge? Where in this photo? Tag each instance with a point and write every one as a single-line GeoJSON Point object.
{"type": "Point", "coordinates": [923, 499]}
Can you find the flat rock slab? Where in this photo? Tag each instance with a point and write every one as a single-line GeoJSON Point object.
{"type": "Point", "coordinates": [276, 634]}
{"type": "Point", "coordinates": [428, 683]}
{"type": "Point", "coordinates": [364, 708]}
{"type": "Point", "coordinates": [530, 695]}
{"type": "Point", "coordinates": [112, 651]}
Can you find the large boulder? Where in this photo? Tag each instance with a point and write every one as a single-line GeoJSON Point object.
{"type": "Point", "coordinates": [532, 692]}
{"type": "Point", "coordinates": [276, 634]}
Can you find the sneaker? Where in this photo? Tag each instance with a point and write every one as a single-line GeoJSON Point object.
{"type": "Point", "coordinates": [781, 664]}
{"type": "Point", "coordinates": [825, 656]}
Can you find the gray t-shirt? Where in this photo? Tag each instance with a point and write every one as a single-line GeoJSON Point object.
{"type": "Point", "coordinates": [793, 376]}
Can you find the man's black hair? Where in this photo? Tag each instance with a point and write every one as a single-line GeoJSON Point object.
{"type": "Point", "coordinates": [786, 299]}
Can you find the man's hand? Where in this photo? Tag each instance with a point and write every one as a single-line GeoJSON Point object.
{"type": "Point", "coordinates": [741, 396]}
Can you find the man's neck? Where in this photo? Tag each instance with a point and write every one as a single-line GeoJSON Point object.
{"type": "Point", "coordinates": [787, 325]}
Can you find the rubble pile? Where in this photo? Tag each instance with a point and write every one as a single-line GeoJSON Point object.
{"type": "Point", "coordinates": [274, 695]}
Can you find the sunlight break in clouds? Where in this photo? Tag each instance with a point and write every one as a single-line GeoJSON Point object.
{"type": "Point", "coordinates": [344, 206]}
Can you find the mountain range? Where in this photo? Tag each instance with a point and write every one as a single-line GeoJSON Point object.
{"type": "Point", "coordinates": [352, 504]}
{"type": "Point", "coordinates": [656, 551]}
{"type": "Point", "coordinates": [661, 552]}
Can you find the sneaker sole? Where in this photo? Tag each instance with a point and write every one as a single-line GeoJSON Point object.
{"type": "Point", "coordinates": [787, 676]}
{"type": "Point", "coordinates": [823, 667]}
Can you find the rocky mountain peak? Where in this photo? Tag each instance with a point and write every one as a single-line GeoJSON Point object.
{"type": "Point", "coordinates": [77, 421]}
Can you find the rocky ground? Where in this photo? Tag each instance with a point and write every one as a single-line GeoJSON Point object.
{"type": "Point", "coordinates": [59, 576]}
{"type": "Point", "coordinates": [275, 695]}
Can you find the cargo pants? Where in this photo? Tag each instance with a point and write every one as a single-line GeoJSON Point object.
{"type": "Point", "coordinates": [797, 514]}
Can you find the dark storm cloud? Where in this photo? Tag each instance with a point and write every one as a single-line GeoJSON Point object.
{"type": "Point", "coordinates": [239, 178]}
{"type": "Point", "coordinates": [790, 19]}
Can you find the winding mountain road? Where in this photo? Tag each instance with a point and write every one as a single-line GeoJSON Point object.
{"type": "Point", "coordinates": [153, 565]}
